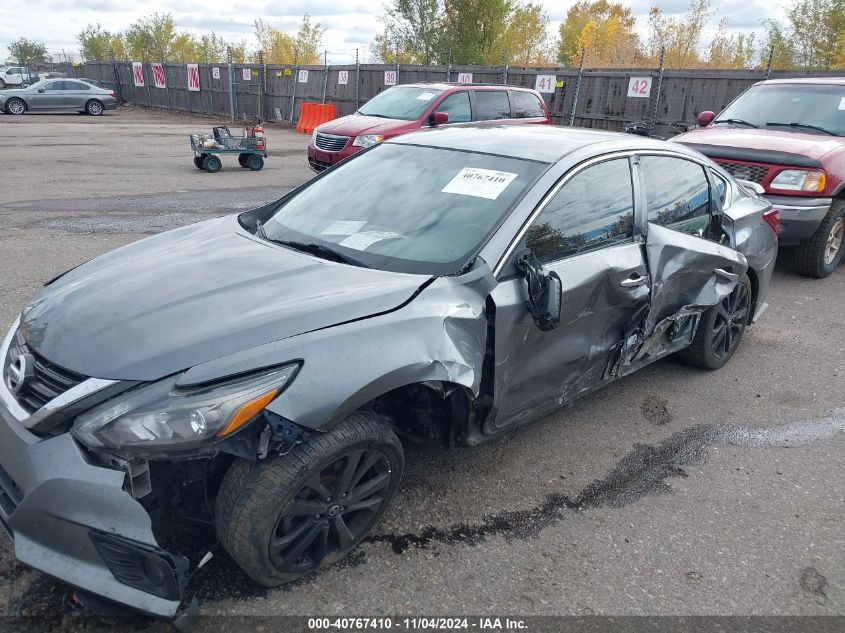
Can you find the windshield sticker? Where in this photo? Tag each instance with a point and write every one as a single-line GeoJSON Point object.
{"type": "Point", "coordinates": [480, 183]}
{"type": "Point", "coordinates": [842, 104]}
{"type": "Point", "coordinates": [363, 240]}
{"type": "Point", "coordinates": [427, 96]}
{"type": "Point", "coordinates": [344, 227]}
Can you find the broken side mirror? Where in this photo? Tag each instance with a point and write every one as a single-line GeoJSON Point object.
{"type": "Point", "coordinates": [544, 291]}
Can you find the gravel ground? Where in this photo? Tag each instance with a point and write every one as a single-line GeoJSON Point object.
{"type": "Point", "coordinates": [671, 492]}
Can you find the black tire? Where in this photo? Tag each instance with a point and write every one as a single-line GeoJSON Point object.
{"type": "Point", "coordinates": [818, 256]}
{"type": "Point", "coordinates": [255, 163]}
{"type": "Point", "coordinates": [198, 162]}
{"type": "Point", "coordinates": [94, 107]}
{"type": "Point", "coordinates": [261, 502]}
{"type": "Point", "coordinates": [242, 159]}
{"type": "Point", "coordinates": [212, 164]}
{"type": "Point", "coordinates": [15, 106]}
{"type": "Point", "coordinates": [709, 350]}
{"type": "Point", "coordinates": [2, 84]}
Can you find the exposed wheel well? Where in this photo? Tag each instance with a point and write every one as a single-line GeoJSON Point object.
{"type": "Point", "coordinates": [755, 292]}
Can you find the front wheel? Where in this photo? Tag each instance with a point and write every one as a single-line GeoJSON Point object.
{"type": "Point", "coordinates": [820, 255]}
{"type": "Point", "coordinates": [2, 84]}
{"type": "Point", "coordinates": [198, 162]}
{"type": "Point", "coordinates": [212, 164]}
{"type": "Point", "coordinates": [720, 329]}
{"type": "Point", "coordinates": [15, 106]}
{"type": "Point", "coordinates": [286, 516]}
{"type": "Point", "coordinates": [255, 163]}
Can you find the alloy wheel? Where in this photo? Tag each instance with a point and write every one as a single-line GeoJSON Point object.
{"type": "Point", "coordinates": [95, 108]}
{"type": "Point", "coordinates": [332, 511]}
{"type": "Point", "coordinates": [16, 106]}
{"type": "Point", "coordinates": [731, 318]}
{"type": "Point", "coordinates": [834, 241]}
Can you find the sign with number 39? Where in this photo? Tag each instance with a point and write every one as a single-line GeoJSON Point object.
{"type": "Point", "coordinates": [639, 87]}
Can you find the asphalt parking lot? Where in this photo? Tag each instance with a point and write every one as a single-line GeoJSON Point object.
{"type": "Point", "coordinates": [672, 492]}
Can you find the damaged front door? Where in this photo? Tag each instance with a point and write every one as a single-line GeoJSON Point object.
{"type": "Point", "coordinates": [584, 234]}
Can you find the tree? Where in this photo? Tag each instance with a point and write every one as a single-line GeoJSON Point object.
{"type": "Point", "coordinates": [414, 28]}
{"type": "Point", "coordinates": [26, 51]}
{"type": "Point", "coordinates": [474, 29]}
{"type": "Point", "coordinates": [118, 44]}
{"type": "Point", "coordinates": [604, 29]}
{"type": "Point", "coordinates": [727, 50]}
{"type": "Point", "coordinates": [95, 43]}
{"type": "Point", "coordinates": [680, 37]}
{"type": "Point", "coordinates": [526, 38]}
{"type": "Point", "coordinates": [308, 41]}
{"type": "Point", "coordinates": [152, 38]}
{"type": "Point", "coordinates": [210, 48]}
{"type": "Point", "coordinates": [280, 47]}
{"type": "Point", "coordinates": [780, 45]}
{"type": "Point", "coordinates": [813, 36]}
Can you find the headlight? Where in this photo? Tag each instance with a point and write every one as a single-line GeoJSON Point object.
{"type": "Point", "coordinates": [162, 416]}
{"type": "Point", "coordinates": [368, 140]}
{"type": "Point", "coordinates": [799, 180]}
{"type": "Point", "coordinates": [314, 138]}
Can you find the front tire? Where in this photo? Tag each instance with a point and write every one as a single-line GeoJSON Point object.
{"type": "Point", "coordinates": [2, 84]}
{"type": "Point", "coordinates": [212, 164]}
{"type": "Point", "coordinates": [821, 254]}
{"type": "Point", "coordinates": [15, 106]}
{"type": "Point", "coordinates": [255, 163]}
{"type": "Point", "coordinates": [720, 329]}
{"type": "Point", "coordinates": [284, 517]}
{"type": "Point", "coordinates": [94, 107]}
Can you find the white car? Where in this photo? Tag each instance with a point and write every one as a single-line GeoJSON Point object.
{"type": "Point", "coordinates": [14, 76]}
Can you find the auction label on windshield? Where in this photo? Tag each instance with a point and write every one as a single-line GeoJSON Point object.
{"type": "Point", "coordinates": [480, 183]}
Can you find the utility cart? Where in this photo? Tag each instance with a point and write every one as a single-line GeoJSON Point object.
{"type": "Point", "coordinates": [251, 148]}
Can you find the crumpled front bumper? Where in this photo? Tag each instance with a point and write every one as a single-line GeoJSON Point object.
{"type": "Point", "coordinates": [72, 520]}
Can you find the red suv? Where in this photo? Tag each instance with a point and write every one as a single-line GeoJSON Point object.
{"type": "Point", "coordinates": [788, 136]}
{"type": "Point", "coordinates": [410, 107]}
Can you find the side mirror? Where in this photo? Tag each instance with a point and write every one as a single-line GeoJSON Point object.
{"type": "Point", "coordinates": [705, 118]}
{"type": "Point", "coordinates": [544, 291]}
{"type": "Point", "coordinates": [41, 90]}
{"type": "Point", "coordinates": [640, 128]}
{"type": "Point", "coordinates": [439, 118]}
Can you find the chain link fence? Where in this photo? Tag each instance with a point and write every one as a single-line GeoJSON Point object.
{"type": "Point", "coordinates": [667, 100]}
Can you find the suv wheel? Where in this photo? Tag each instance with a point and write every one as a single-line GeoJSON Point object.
{"type": "Point", "coordinates": [720, 329]}
{"type": "Point", "coordinates": [820, 255]}
{"type": "Point", "coordinates": [283, 517]}
{"type": "Point", "coordinates": [2, 84]}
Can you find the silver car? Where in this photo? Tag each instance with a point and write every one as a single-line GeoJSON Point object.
{"type": "Point", "coordinates": [70, 95]}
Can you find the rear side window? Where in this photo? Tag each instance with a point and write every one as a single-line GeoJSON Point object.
{"type": "Point", "coordinates": [594, 210]}
{"type": "Point", "coordinates": [457, 107]}
{"type": "Point", "coordinates": [75, 85]}
{"type": "Point", "coordinates": [677, 194]}
{"type": "Point", "coordinates": [492, 104]}
{"type": "Point", "coordinates": [526, 105]}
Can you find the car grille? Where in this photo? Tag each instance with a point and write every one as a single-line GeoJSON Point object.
{"type": "Point", "coordinates": [754, 173]}
{"type": "Point", "coordinates": [330, 142]}
{"type": "Point", "coordinates": [10, 494]}
{"type": "Point", "coordinates": [49, 381]}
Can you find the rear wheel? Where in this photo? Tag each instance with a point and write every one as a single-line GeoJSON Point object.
{"type": "Point", "coordinates": [283, 517]}
{"type": "Point", "coordinates": [2, 84]}
{"type": "Point", "coordinates": [94, 107]}
{"type": "Point", "coordinates": [255, 163]}
{"type": "Point", "coordinates": [198, 162]}
{"type": "Point", "coordinates": [15, 106]}
{"type": "Point", "coordinates": [820, 255]}
{"type": "Point", "coordinates": [211, 164]}
{"type": "Point", "coordinates": [720, 329]}
{"type": "Point", "coordinates": [242, 159]}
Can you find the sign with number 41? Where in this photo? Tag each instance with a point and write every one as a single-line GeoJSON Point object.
{"type": "Point", "coordinates": [545, 83]}
{"type": "Point", "coordinates": [639, 87]}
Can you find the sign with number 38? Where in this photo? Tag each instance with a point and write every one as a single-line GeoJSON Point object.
{"type": "Point", "coordinates": [639, 87]}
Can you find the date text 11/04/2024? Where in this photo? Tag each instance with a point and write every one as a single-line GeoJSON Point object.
{"type": "Point", "coordinates": [418, 623]}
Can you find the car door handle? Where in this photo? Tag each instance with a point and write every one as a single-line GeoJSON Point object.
{"type": "Point", "coordinates": [726, 274]}
{"type": "Point", "coordinates": [631, 282]}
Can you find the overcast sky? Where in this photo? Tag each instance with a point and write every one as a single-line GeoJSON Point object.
{"type": "Point", "coordinates": [350, 24]}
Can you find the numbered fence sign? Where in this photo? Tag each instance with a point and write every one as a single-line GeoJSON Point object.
{"type": "Point", "coordinates": [247, 75]}
{"type": "Point", "coordinates": [639, 87]}
{"type": "Point", "coordinates": [389, 77]}
{"type": "Point", "coordinates": [464, 78]}
{"type": "Point", "coordinates": [193, 77]}
{"type": "Point", "coordinates": [158, 76]}
{"type": "Point", "coordinates": [138, 74]}
{"type": "Point", "coordinates": [545, 83]}
{"type": "Point", "coordinates": [342, 77]}
{"type": "Point", "coordinates": [302, 77]}
{"type": "Point", "coordinates": [215, 73]}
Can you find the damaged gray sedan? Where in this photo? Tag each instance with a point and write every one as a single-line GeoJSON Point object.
{"type": "Point", "coordinates": [258, 370]}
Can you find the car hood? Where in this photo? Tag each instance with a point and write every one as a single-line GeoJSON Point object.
{"type": "Point", "coordinates": [195, 294]}
{"type": "Point", "coordinates": [10, 92]}
{"type": "Point", "coordinates": [357, 124]}
{"type": "Point", "coordinates": [810, 145]}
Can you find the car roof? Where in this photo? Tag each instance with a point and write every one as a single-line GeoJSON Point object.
{"type": "Point", "coordinates": [451, 85]}
{"type": "Point", "coordinates": [837, 81]}
{"type": "Point", "coordinates": [544, 143]}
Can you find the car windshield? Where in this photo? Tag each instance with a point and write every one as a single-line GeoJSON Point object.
{"type": "Point", "coordinates": [406, 208]}
{"type": "Point", "coordinates": [817, 105]}
{"type": "Point", "coordinates": [403, 102]}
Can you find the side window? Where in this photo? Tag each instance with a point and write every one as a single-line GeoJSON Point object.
{"type": "Point", "coordinates": [75, 85]}
{"type": "Point", "coordinates": [720, 192]}
{"type": "Point", "coordinates": [456, 105]}
{"type": "Point", "coordinates": [53, 85]}
{"type": "Point", "coordinates": [677, 194]}
{"type": "Point", "coordinates": [595, 209]}
{"type": "Point", "coordinates": [526, 105]}
{"type": "Point", "coordinates": [491, 104]}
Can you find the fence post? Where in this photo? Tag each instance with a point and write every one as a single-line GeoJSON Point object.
{"type": "Point", "coordinates": [262, 85]}
{"type": "Point", "coordinates": [357, 79]}
{"type": "Point", "coordinates": [229, 59]}
{"type": "Point", "coordinates": [659, 88]}
{"type": "Point", "coordinates": [167, 86]}
{"type": "Point", "coordinates": [504, 67]}
{"type": "Point", "coordinates": [577, 90]}
{"type": "Point", "coordinates": [449, 68]}
{"type": "Point", "coordinates": [325, 75]}
{"type": "Point", "coordinates": [769, 64]}
{"type": "Point", "coordinates": [397, 62]}
{"type": "Point", "coordinates": [118, 91]}
{"type": "Point", "coordinates": [295, 79]}
{"type": "Point", "coordinates": [210, 87]}
{"type": "Point", "coordinates": [146, 83]}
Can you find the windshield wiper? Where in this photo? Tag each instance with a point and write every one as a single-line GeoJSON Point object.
{"type": "Point", "coordinates": [323, 251]}
{"type": "Point", "coordinates": [804, 125]}
{"type": "Point", "coordinates": [259, 230]}
{"type": "Point", "coordinates": [380, 116]}
{"type": "Point", "coordinates": [736, 122]}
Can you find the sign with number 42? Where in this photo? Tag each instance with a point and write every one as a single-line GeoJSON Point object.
{"type": "Point", "coordinates": [639, 87]}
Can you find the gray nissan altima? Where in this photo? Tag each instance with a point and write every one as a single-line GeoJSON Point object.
{"type": "Point", "coordinates": [49, 95]}
{"type": "Point", "coordinates": [258, 370]}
